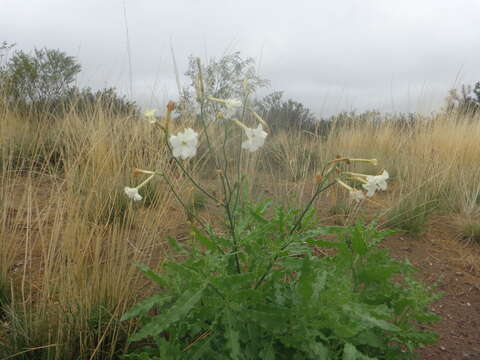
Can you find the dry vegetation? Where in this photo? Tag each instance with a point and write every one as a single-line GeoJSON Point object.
{"type": "Point", "coordinates": [69, 236]}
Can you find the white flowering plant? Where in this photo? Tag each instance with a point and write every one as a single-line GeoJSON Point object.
{"type": "Point", "coordinates": [257, 289]}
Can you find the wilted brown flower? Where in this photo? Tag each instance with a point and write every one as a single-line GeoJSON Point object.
{"type": "Point", "coordinates": [171, 106]}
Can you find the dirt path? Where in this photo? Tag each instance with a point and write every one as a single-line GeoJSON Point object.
{"type": "Point", "coordinates": [440, 262]}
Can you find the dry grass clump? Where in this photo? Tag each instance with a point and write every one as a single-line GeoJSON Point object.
{"type": "Point", "coordinates": [69, 236]}
{"type": "Point", "coordinates": [433, 164]}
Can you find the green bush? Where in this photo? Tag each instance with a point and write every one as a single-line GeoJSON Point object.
{"type": "Point", "coordinates": [281, 301]}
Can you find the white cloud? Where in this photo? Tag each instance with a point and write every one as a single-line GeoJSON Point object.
{"type": "Point", "coordinates": [395, 56]}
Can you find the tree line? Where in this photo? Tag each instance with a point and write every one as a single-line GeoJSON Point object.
{"type": "Point", "coordinates": [45, 81]}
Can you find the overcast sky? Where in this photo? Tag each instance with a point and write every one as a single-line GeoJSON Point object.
{"type": "Point", "coordinates": [331, 55]}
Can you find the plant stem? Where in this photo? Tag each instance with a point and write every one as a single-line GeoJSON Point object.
{"type": "Point", "coordinates": [287, 244]}
{"type": "Point", "coordinates": [179, 199]}
{"type": "Point", "coordinates": [186, 173]}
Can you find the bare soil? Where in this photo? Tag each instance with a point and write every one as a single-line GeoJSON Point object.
{"type": "Point", "coordinates": [441, 261]}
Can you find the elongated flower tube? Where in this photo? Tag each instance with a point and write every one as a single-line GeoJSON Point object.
{"type": "Point", "coordinates": [231, 105]}
{"type": "Point", "coordinates": [141, 171]}
{"type": "Point", "coordinates": [184, 144]}
{"type": "Point", "coordinates": [374, 162]}
{"type": "Point", "coordinates": [354, 194]}
{"type": "Point", "coordinates": [259, 118]}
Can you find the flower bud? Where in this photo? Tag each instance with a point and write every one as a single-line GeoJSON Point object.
{"type": "Point", "coordinates": [168, 117]}
{"type": "Point", "coordinates": [137, 172]}
{"type": "Point", "coordinates": [171, 106]}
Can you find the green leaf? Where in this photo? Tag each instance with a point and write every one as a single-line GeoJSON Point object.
{"type": "Point", "coordinates": [326, 244]}
{"type": "Point", "coordinates": [173, 242]}
{"type": "Point", "coordinates": [320, 350]}
{"type": "Point", "coordinates": [306, 280]}
{"type": "Point", "coordinates": [350, 352]}
{"type": "Point", "coordinates": [152, 275]}
{"type": "Point", "coordinates": [179, 310]}
{"type": "Point", "coordinates": [233, 342]}
{"type": "Point", "coordinates": [359, 244]}
{"type": "Point", "coordinates": [257, 216]}
{"type": "Point", "coordinates": [370, 338]}
{"type": "Point", "coordinates": [206, 241]}
{"type": "Point", "coordinates": [319, 284]}
{"type": "Point", "coordinates": [368, 319]}
{"type": "Point", "coordinates": [199, 351]}
{"type": "Point", "coordinates": [145, 305]}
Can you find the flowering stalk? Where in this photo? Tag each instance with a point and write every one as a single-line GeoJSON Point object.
{"type": "Point", "coordinates": [355, 194]}
{"type": "Point", "coordinates": [179, 199]}
{"type": "Point", "coordinates": [374, 162]}
{"type": "Point", "coordinates": [259, 118]}
{"type": "Point", "coordinates": [357, 176]}
{"type": "Point", "coordinates": [137, 171]}
{"type": "Point", "coordinates": [186, 173]}
{"type": "Point", "coordinates": [146, 181]}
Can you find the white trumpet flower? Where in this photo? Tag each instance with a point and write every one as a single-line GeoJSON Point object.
{"type": "Point", "coordinates": [184, 144]}
{"type": "Point", "coordinates": [132, 193]}
{"type": "Point", "coordinates": [374, 183]}
{"type": "Point", "coordinates": [355, 194]}
{"type": "Point", "coordinates": [255, 138]}
{"type": "Point", "coordinates": [231, 105]}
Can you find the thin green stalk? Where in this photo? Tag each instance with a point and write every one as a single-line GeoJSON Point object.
{"type": "Point", "coordinates": [179, 199]}
{"type": "Point", "coordinates": [225, 165]}
{"type": "Point", "coordinates": [309, 204]}
{"type": "Point", "coordinates": [204, 125]}
{"type": "Point", "coordinates": [240, 152]}
{"type": "Point", "coordinates": [287, 244]}
{"type": "Point", "coordinates": [186, 173]}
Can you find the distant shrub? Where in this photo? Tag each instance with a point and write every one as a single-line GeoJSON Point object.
{"type": "Point", "coordinates": [465, 101]}
{"type": "Point", "coordinates": [41, 84]}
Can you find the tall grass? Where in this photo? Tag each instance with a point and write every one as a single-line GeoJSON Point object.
{"type": "Point", "coordinates": [69, 237]}
{"type": "Point", "coordinates": [433, 163]}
